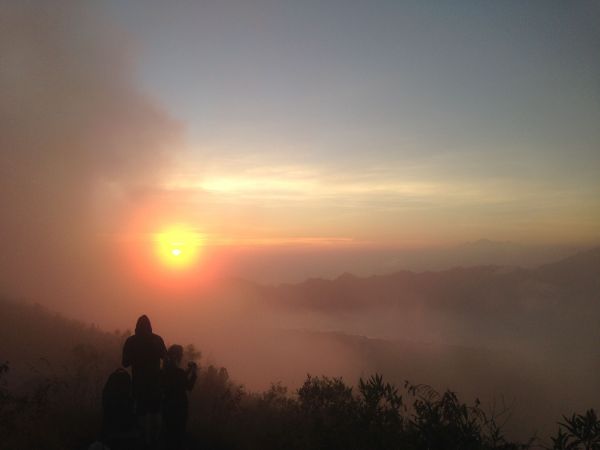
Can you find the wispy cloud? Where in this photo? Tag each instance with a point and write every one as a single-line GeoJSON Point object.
{"type": "Point", "coordinates": [310, 184]}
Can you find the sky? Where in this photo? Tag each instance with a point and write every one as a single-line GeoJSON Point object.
{"type": "Point", "coordinates": [382, 122]}
{"type": "Point", "coordinates": [134, 132]}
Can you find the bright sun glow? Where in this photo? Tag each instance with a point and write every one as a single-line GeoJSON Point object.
{"type": "Point", "coordinates": [178, 246]}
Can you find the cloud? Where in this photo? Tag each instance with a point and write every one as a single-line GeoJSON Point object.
{"type": "Point", "coordinates": [74, 127]}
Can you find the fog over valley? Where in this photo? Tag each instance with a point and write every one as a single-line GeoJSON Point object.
{"type": "Point", "coordinates": [502, 334]}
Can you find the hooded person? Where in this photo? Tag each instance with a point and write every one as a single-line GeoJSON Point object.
{"type": "Point", "coordinates": [143, 352]}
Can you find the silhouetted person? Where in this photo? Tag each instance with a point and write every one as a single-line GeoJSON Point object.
{"type": "Point", "coordinates": [143, 352]}
{"type": "Point", "coordinates": [176, 383]}
{"type": "Point", "coordinates": [117, 411]}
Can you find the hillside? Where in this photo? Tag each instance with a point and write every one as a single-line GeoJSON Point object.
{"type": "Point", "coordinates": [34, 338]}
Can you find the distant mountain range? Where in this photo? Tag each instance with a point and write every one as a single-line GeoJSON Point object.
{"type": "Point", "coordinates": [489, 303]}
{"type": "Point", "coordinates": [295, 265]}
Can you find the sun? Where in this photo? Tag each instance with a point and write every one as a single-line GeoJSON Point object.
{"type": "Point", "coordinates": [178, 246]}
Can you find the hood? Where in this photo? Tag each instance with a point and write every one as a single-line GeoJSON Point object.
{"type": "Point", "coordinates": [143, 325]}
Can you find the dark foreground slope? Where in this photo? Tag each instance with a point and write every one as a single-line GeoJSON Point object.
{"type": "Point", "coordinates": [50, 398]}
{"type": "Point", "coordinates": [52, 376]}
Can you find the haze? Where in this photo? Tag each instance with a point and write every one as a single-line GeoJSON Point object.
{"type": "Point", "coordinates": [297, 140]}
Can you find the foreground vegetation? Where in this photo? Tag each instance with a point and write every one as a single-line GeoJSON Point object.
{"type": "Point", "coordinates": [59, 407]}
